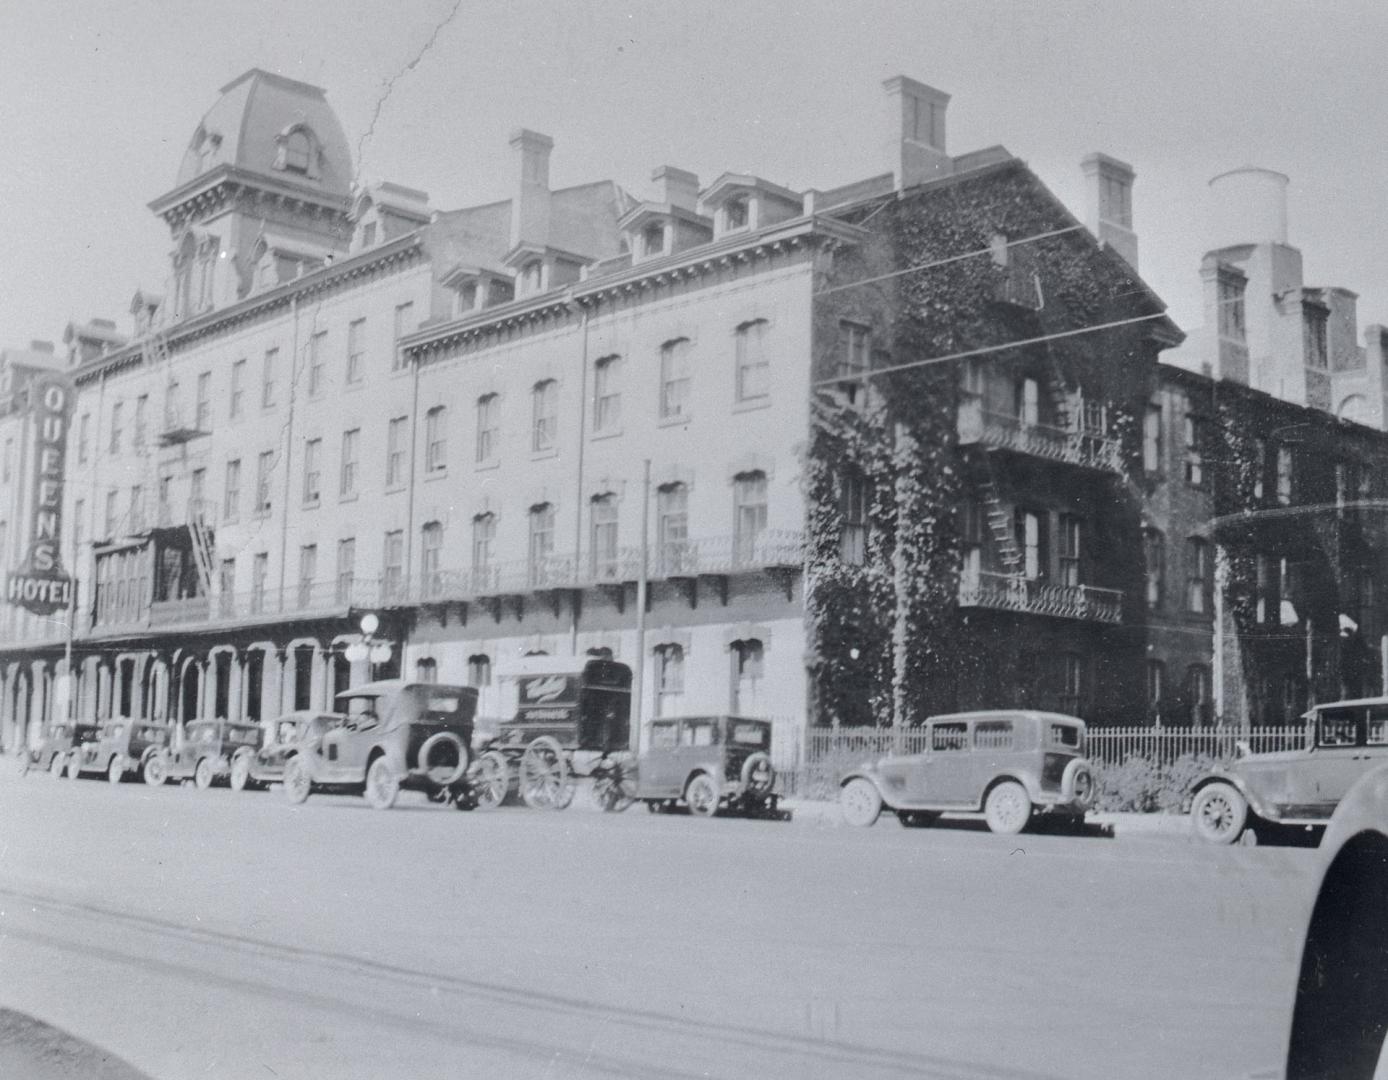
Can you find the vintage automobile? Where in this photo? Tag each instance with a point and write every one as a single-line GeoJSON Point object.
{"type": "Point", "coordinates": [53, 749]}
{"type": "Point", "coordinates": [121, 747]}
{"type": "Point", "coordinates": [1345, 739]}
{"type": "Point", "coordinates": [253, 768]}
{"type": "Point", "coordinates": [1340, 1006]}
{"type": "Point", "coordinates": [708, 763]}
{"type": "Point", "coordinates": [204, 753]}
{"type": "Point", "coordinates": [394, 735]}
{"type": "Point", "coordinates": [1011, 764]}
{"type": "Point", "coordinates": [572, 718]}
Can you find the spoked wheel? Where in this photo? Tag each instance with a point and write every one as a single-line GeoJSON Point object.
{"type": "Point", "coordinates": [240, 772]}
{"type": "Point", "coordinates": [545, 780]}
{"type": "Point", "coordinates": [56, 765]}
{"type": "Point", "coordinates": [614, 786]}
{"type": "Point", "coordinates": [382, 785]}
{"type": "Point", "coordinates": [860, 802]}
{"type": "Point", "coordinates": [297, 783]}
{"type": "Point", "coordinates": [115, 771]}
{"type": "Point", "coordinates": [204, 774]}
{"type": "Point", "coordinates": [1007, 808]}
{"type": "Point", "coordinates": [74, 766]}
{"type": "Point", "coordinates": [491, 780]}
{"type": "Point", "coordinates": [155, 770]}
{"type": "Point", "coordinates": [1219, 813]}
{"type": "Point", "coordinates": [702, 796]}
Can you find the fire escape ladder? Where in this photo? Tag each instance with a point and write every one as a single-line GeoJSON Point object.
{"type": "Point", "coordinates": [202, 546]}
{"type": "Point", "coordinates": [1000, 523]}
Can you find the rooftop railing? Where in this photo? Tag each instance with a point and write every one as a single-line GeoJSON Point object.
{"type": "Point", "coordinates": [1006, 592]}
{"type": "Point", "coordinates": [1087, 449]}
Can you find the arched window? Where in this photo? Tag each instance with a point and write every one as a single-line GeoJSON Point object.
{"type": "Point", "coordinates": [747, 666]}
{"type": "Point", "coordinates": [430, 556]}
{"type": "Point", "coordinates": [298, 150]}
{"type": "Point", "coordinates": [426, 670]}
{"type": "Point", "coordinates": [436, 439]}
{"type": "Point", "coordinates": [607, 394]}
{"type": "Point", "coordinates": [669, 677]}
{"type": "Point", "coordinates": [753, 367]}
{"type": "Point", "coordinates": [1198, 575]}
{"type": "Point", "coordinates": [1198, 694]}
{"type": "Point", "coordinates": [488, 430]}
{"type": "Point", "coordinates": [603, 514]}
{"type": "Point", "coordinates": [853, 510]}
{"type": "Point", "coordinates": [479, 670]}
{"type": "Point", "coordinates": [749, 515]}
{"type": "Point", "coordinates": [544, 426]}
{"type": "Point", "coordinates": [541, 551]}
{"type": "Point", "coordinates": [673, 554]}
{"type": "Point", "coordinates": [484, 551]}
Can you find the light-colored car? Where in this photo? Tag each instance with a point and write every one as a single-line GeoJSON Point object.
{"type": "Point", "coordinates": [709, 763]}
{"type": "Point", "coordinates": [1345, 739]}
{"type": "Point", "coordinates": [1340, 1011]}
{"type": "Point", "coordinates": [1010, 764]}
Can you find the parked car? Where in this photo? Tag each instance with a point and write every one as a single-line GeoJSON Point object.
{"type": "Point", "coordinates": [1010, 764]}
{"type": "Point", "coordinates": [256, 767]}
{"type": "Point", "coordinates": [204, 753]}
{"type": "Point", "coordinates": [394, 735]}
{"type": "Point", "coordinates": [708, 763]}
{"type": "Point", "coordinates": [119, 748]}
{"type": "Point", "coordinates": [1345, 739]}
{"type": "Point", "coordinates": [1340, 1006]}
{"type": "Point", "coordinates": [53, 749]}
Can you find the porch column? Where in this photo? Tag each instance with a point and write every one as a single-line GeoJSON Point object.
{"type": "Point", "coordinates": [272, 685]}
{"type": "Point", "coordinates": [234, 687]}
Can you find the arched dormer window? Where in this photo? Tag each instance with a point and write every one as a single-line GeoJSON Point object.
{"type": "Point", "coordinates": [296, 151]}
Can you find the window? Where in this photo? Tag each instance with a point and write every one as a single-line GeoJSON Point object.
{"type": "Point", "coordinates": [753, 368]}
{"type": "Point", "coordinates": [430, 558]}
{"type": "Point", "coordinates": [393, 568]}
{"type": "Point", "coordinates": [1027, 402]}
{"type": "Point", "coordinates": [202, 417]}
{"type": "Point", "coordinates": [653, 239]}
{"type": "Point", "coordinates": [173, 407]}
{"type": "Point", "coordinates": [137, 509]}
{"type": "Point", "coordinates": [317, 362]}
{"type": "Point", "coordinates": [142, 421]}
{"type": "Point", "coordinates": [971, 543]}
{"type": "Point", "coordinates": [1260, 467]}
{"type": "Point", "coordinates": [544, 400]}
{"type": "Point", "coordinates": [483, 550]}
{"type": "Point", "coordinates": [949, 736]}
{"type": "Point", "coordinates": [264, 465]}
{"type": "Point", "coordinates": [1231, 308]}
{"type": "Point", "coordinates": [83, 442]}
{"type": "Point", "coordinates": [356, 346]}
{"type": "Point", "coordinates": [404, 324]}
{"type": "Point", "coordinates": [426, 670]}
{"type": "Point", "coordinates": [1152, 439]}
{"type": "Point", "coordinates": [541, 544]}
{"type": "Point", "coordinates": [855, 341]}
{"type": "Point", "coordinates": [231, 494]}
{"type": "Point", "coordinates": [197, 492]}
{"type": "Point", "coordinates": [488, 417]}
{"type": "Point", "coordinates": [1198, 694]}
{"type": "Point", "coordinates": [111, 514]}
{"type": "Point", "coordinates": [747, 662]}
{"type": "Point", "coordinates": [396, 439]}
{"type": "Point", "coordinates": [1031, 538]}
{"type": "Point", "coordinates": [749, 515]}
{"type": "Point", "coordinates": [532, 274]}
{"type": "Point", "coordinates": [479, 670]}
{"type": "Point", "coordinates": [226, 586]}
{"type": "Point", "coordinates": [673, 553]}
{"type": "Point", "coordinates": [735, 214]}
{"type": "Point", "coordinates": [347, 482]}
{"type": "Point", "coordinates": [1198, 571]}
{"type": "Point", "coordinates": [1154, 552]}
{"type": "Point", "coordinates": [1313, 333]}
{"type": "Point", "coordinates": [297, 151]}
{"type": "Point", "coordinates": [1195, 442]}
{"type": "Point", "coordinates": [1264, 600]}
{"type": "Point", "coordinates": [1284, 476]}
{"type": "Point", "coordinates": [1071, 683]}
{"type": "Point", "coordinates": [603, 513]}
{"type": "Point", "coordinates": [853, 502]}
{"type": "Point", "coordinates": [313, 452]}
{"type": "Point", "coordinates": [436, 439]}
{"type": "Point", "coordinates": [267, 382]}
{"type": "Point", "coordinates": [238, 389]}
{"type": "Point", "coordinates": [607, 396]}
{"type": "Point", "coordinates": [115, 428]}
{"type": "Point", "coordinates": [669, 677]}
{"type": "Point", "coordinates": [1156, 688]}
{"type": "Point", "coordinates": [368, 234]}
{"type": "Point", "coordinates": [346, 569]}
{"type": "Point", "coordinates": [260, 573]}
{"type": "Point", "coordinates": [308, 571]}
{"type": "Point", "coordinates": [674, 379]}
{"type": "Point", "coordinates": [1070, 529]}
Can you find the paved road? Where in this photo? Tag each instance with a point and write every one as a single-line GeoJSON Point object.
{"type": "Point", "coordinates": [223, 935]}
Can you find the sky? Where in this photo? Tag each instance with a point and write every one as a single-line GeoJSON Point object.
{"type": "Point", "coordinates": [100, 101]}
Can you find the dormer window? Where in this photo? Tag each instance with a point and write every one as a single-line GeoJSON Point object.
{"type": "Point", "coordinates": [531, 276]}
{"type": "Point", "coordinates": [653, 239]}
{"type": "Point", "coordinates": [368, 234]}
{"type": "Point", "coordinates": [467, 297]}
{"type": "Point", "coordinates": [500, 292]}
{"type": "Point", "coordinates": [296, 152]}
{"type": "Point", "coordinates": [735, 214]}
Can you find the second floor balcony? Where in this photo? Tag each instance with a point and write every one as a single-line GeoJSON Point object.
{"type": "Point", "coordinates": [1009, 592]}
{"type": "Point", "coordinates": [1087, 447]}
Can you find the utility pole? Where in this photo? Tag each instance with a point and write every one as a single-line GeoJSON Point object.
{"type": "Point", "coordinates": [638, 669]}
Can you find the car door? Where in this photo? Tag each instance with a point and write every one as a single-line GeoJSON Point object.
{"type": "Point", "coordinates": [1336, 762]}
{"type": "Point", "coordinates": [657, 774]}
{"type": "Point", "coordinates": [944, 777]}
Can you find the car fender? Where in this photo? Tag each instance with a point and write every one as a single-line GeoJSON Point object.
{"type": "Point", "coordinates": [1224, 776]}
{"type": "Point", "coordinates": [1028, 782]}
{"type": "Point", "coordinates": [871, 778]}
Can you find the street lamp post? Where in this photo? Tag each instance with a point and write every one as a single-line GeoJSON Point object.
{"type": "Point", "coordinates": [367, 647]}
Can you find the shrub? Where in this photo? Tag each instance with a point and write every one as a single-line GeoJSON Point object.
{"type": "Point", "coordinates": [1144, 786]}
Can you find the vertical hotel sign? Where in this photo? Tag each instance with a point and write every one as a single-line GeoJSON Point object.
{"type": "Point", "coordinates": [41, 585]}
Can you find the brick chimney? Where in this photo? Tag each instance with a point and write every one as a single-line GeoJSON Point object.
{"type": "Point", "coordinates": [676, 187]}
{"type": "Point", "coordinates": [1108, 197]}
{"type": "Point", "coordinates": [915, 135]}
{"type": "Point", "coordinates": [530, 210]}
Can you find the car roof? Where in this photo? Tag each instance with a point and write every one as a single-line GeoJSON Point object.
{"type": "Point", "coordinates": [712, 716]}
{"type": "Point", "coordinates": [381, 687]}
{"type": "Point", "coordinates": [1348, 704]}
{"type": "Point", "coordinates": [1006, 714]}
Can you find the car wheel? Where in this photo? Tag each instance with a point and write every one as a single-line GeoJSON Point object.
{"type": "Point", "coordinates": [382, 785]}
{"type": "Point", "coordinates": [115, 771]}
{"type": "Point", "coordinates": [240, 772]}
{"type": "Point", "coordinates": [545, 782]}
{"type": "Point", "coordinates": [155, 770]}
{"type": "Point", "coordinates": [297, 783]}
{"type": "Point", "coordinates": [701, 796]}
{"type": "Point", "coordinates": [1008, 808]}
{"type": "Point", "coordinates": [614, 789]}
{"type": "Point", "coordinates": [56, 764]}
{"type": "Point", "coordinates": [1219, 813]}
{"type": "Point", "coordinates": [74, 766]}
{"type": "Point", "coordinates": [204, 774]}
{"type": "Point", "coordinates": [860, 802]}
{"type": "Point", "coordinates": [491, 781]}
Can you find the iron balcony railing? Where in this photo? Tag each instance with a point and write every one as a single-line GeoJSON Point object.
{"type": "Point", "coordinates": [1085, 448]}
{"type": "Point", "coordinates": [1007, 592]}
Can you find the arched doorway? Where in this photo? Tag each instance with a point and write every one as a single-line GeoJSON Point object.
{"type": "Point", "coordinates": [189, 687]}
{"type": "Point", "coordinates": [303, 676]}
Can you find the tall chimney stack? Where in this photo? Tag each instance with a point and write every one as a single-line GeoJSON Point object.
{"type": "Point", "coordinates": [530, 211]}
{"type": "Point", "coordinates": [915, 135]}
{"type": "Point", "coordinates": [1109, 203]}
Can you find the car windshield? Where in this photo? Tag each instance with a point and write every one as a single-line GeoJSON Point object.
{"type": "Point", "coordinates": [1338, 727]}
{"type": "Point", "coordinates": [745, 734]}
{"type": "Point", "coordinates": [288, 731]}
{"type": "Point", "coordinates": [241, 735]}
